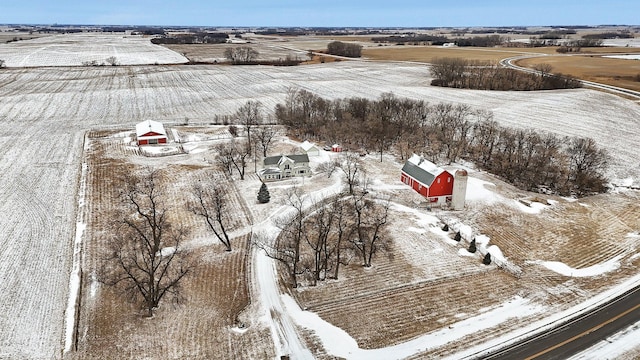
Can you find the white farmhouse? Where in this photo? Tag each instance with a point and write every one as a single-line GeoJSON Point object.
{"type": "Point", "coordinates": [285, 166]}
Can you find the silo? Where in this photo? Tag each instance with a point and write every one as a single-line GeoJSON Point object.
{"type": "Point", "coordinates": [459, 190]}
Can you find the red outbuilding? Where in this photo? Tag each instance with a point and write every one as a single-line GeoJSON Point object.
{"type": "Point", "coordinates": [150, 132]}
{"type": "Point", "coordinates": [336, 148]}
{"type": "Point", "coordinates": [429, 180]}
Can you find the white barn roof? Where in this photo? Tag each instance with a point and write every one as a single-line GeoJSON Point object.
{"type": "Point", "coordinates": [422, 170]}
{"type": "Point", "coordinates": [148, 126]}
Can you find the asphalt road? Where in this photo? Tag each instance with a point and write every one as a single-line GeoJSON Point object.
{"type": "Point", "coordinates": [578, 334]}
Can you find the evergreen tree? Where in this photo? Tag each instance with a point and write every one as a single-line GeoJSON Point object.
{"type": "Point", "coordinates": [458, 236]}
{"type": "Point", "coordinates": [487, 259]}
{"type": "Point", "coordinates": [445, 227]}
{"type": "Point", "coordinates": [472, 246]}
{"type": "Point", "coordinates": [263, 194]}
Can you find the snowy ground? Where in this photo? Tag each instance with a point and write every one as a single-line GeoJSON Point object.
{"type": "Point", "coordinates": [45, 113]}
{"type": "Point", "coordinates": [78, 49]}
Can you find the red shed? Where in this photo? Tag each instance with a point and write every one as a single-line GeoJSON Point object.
{"type": "Point", "coordinates": [429, 180]}
{"type": "Point", "coordinates": [336, 148]}
{"type": "Point", "coordinates": [150, 132]}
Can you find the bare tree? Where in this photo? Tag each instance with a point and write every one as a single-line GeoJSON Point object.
{"type": "Point", "coordinates": [328, 167]}
{"type": "Point", "coordinates": [249, 115]}
{"type": "Point", "coordinates": [233, 155]}
{"type": "Point", "coordinates": [342, 231]}
{"type": "Point", "coordinates": [264, 136]}
{"type": "Point", "coordinates": [352, 168]}
{"type": "Point", "coordinates": [112, 60]}
{"type": "Point", "coordinates": [316, 234]}
{"type": "Point", "coordinates": [241, 54]}
{"type": "Point", "coordinates": [210, 203]}
{"type": "Point", "coordinates": [146, 261]}
{"type": "Point", "coordinates": [370, 223]}
{"type": "Point", "coordinates": [587, 165]}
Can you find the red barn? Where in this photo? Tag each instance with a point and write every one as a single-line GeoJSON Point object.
{"type": "Point", "coordinates": [151, 132]}
{"type": "Point", "coordinates": [430, 181]}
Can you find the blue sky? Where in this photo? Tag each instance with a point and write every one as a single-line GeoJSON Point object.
{"type": "Point", "coordinates": [372, 13]}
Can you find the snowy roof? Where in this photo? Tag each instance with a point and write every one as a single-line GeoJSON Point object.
{"type": "Point", "coordinates": [422, 170]}
{"type": "Point", "coordinates": [306, 146]}
{"type": "Point", "coordinates": [148, 126]}
{"type": "Point", "coordinates": [273, 160]}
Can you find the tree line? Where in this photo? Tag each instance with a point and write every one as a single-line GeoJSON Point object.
{"type": "Point", "coordinates": [316, 240]}
{"type": "Point", "coordinates": [340, 48]}
{"type": "Point", "coordinates": [445, 133]}
{"type": "Point", "coordinates": [470, 74]}
{"type": "Point", "coordinates": [192, 38]}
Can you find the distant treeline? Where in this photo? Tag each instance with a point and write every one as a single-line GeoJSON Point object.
{"type": "Point", "coordinates": [424, 39]}
{"type": "Point", "coordinates": [530, 159]}
{"type": "Point", "coordinates": [468, 74]}
{"type": "Point", "coordinates": [340, 48]}
{"type": "Point", "coordinates": [610, 35]}
{"type": "Point", "coordinates": [195, 38]}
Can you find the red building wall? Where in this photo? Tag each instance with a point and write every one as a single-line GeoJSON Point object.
{"type": "Point", "coordinates": [442, 185]}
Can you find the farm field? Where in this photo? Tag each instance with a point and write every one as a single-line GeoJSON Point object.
{"type": "Point", "coordinates": [623, 73]}
{"type": "Point", "coordinates": [81, 48]}
{"type": "Point", "coordinates": [48, 116]}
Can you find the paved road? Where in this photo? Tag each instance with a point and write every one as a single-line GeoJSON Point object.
{"type": "Point", "coordinates": [578, 334]}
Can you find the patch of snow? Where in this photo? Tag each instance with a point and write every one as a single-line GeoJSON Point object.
{"type": "Point", "coordinates": [625, 57]}
{"type": "Point", "coordinates": [93, 290]}
{"type": "Point", "coordinates": [465, 231]}
{"type": "Point", "coordinates": [464, 252]}
{"type": "Point", "coordinates": [167, 251]}
{"type": "Point", "coordinates": [496, 253]}
{"type": "Point", "coordinates": [534, 208]}
{"type": "Point", "coordinates": [595, 270]}
{"type": "Point", "coordinates": [482, 241]}
{"type": "Point", "coordinates": [339, 343]}
{"type": "Point", "coordinates": [480, 191]}
{"type": "Point", "coordinates": [416, 230]}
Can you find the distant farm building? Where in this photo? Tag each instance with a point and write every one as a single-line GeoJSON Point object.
{"type": "Point", "coordinates": [285, 166]}
{"type": "Point", "coordinates": [336, 148]}
{"type": "Point", "coordinates": [150, 132]}
{"type": "Point", "coordinates": [310, 148]}
{"type": "Point", "coordinates": [429, 180]}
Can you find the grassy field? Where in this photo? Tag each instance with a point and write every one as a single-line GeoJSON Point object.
{"type": "Point", "coordinates": [617, 72]}
{"type": "Point", "coordinates": [587, 65]}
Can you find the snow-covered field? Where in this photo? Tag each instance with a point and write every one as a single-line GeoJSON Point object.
{"type": "Point", "coordinates": [45, 112]}
{"type": "Point", "coordinates": [81, 48]}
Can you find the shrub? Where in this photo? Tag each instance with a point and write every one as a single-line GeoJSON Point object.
{"type": "Point", "coordinates": [487, 259]}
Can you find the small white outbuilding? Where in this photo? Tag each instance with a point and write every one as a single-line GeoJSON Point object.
{"type": "Point", "coordinates": [150, 132]}
{"type": "Point", "coordinates": [310, 148]}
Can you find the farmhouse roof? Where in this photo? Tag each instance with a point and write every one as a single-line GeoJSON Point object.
{"type": "Point", "coordinates": [421, 170]}
{"type": "Point", "coordinates": [148, 126]}
{"type": "Point", "coordinates": [273, 160]}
